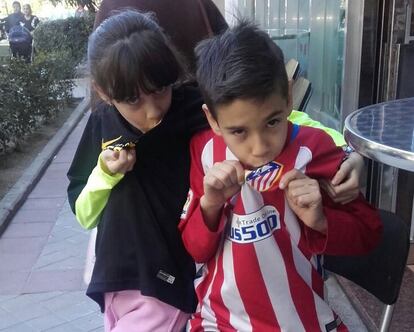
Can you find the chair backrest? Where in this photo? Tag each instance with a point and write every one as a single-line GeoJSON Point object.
{"type": "Point", "coordinates": [381, 271]}
{"type": "Point", "coordinates": [301, 92]}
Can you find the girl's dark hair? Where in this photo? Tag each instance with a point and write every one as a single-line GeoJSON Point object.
{"type": "Point", "coordinates": [128, 52]}
{"type": "Point", "coordinates": [242, 63]}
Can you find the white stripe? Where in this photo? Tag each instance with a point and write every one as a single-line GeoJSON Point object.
{"type": "Point", "coordinates": [273, 271]}
{"type": "Point", "coordinates": [230, 293]}
{"type": "Point", "coordinates": [265, 183]}
{"type": "Point", "coordinates": [274, 173]}
{"type": "Point", "coordinates": [230, 155]}
{"type": "Point", "coordinates": [303, 158]}
{"type": "Point", "coordinates": [252, 199]}
{"type": "Point", "coordinates": [209, 320]}
{"type": "Point", "coordinates": [275, 278]}
{"type": "Point", "coordinates": [323, 311]}
{"type": "Point", "coordinates": [291, 223]}
{"type": "Point", "coordinates": [207, 156]}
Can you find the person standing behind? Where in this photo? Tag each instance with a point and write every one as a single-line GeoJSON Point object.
{"type": "Point", "coordinates": [29, 21]}
{"type": "Point", "coordinates": [80, 10]}
{"type": "Point", "coordinates": [14, 18]}
{"type": "Point", "coordinates": [186, 22]}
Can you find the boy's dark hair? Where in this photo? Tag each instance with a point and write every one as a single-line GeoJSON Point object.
{"type": "Point", "coordinates": [241, 63]}
{"type": "Point", "coordinates": [16, 3]}
{"type": "Point", "coordinates": [129, 52]}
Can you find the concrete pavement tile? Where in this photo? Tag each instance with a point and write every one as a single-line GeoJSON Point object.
{"type": "Point", "coordinates": [43, 203]}
{"type": "Point", "coordinates": [12, 283]}
{"type": "Point", "coordinates": [66, 299]}
{"type": "Point", "coordinates": [22, 246]}
{"type": "Point", "coordinates": [28, 230]}
{"type": "Point", "coordinates": [90, 322]}
{"type": "Point", "coordinates": [65, 264]}
{"type": "Point", "coordinates": [55, 174]}
{"type": "Point", "coordinates": [36, 216]}
{"type": "Point", "coordinates": [31, 311]}
{"type": "Point", "coordinates": [59, 167]}
{"type": "Point", "coordinates": [79, 310]}
{"type": "Point", "coordinates": [53, 246]}
{"type": "Point", "coordinates": [56, 257]}
{"type": "Point", "coordinates": [13, 305]}
{"type": "Point", "coordinates": [4, 298]}
{"type": "Point", "coordinates": [65, 156]}
{"type": "Point", "coordinates": [17, 262]}
{"type": "Point", "coordinates": [40, 297]}
{"type": "Point", "coordinates": [21, 327]}
{"type": "Point", "coordinates": [7, 320]}
{"type": "Point", "coordinates": [45, 322]}
{"type": "Point", "coordinates": [50, 190]}
{"type": "Point", "coordinates": [67, 327]}
{"type": "Point", "coordinates": [44, 281]}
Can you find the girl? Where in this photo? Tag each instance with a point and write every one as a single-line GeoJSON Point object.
{"type": "Point", "coordinates": [30, 21]}
{"type": "Point", "coordinates": [143, 276]}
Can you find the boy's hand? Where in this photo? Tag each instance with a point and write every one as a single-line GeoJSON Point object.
{"type": "Point", "coordinates": [118, 161]}
{"type": "Point", "coordinates": [344, 187]}
{"type": "Point", "coordinates": [304, 198]}
{"type": "Point", "coordinates": [221, 182]}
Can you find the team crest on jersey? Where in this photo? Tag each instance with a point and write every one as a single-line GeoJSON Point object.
{"type": "Point", "coordinates": [255, 226]}
{"type": "Point", "coordinates": [187, 204]}
{"type": "Point", "coordinates": [264, 178]}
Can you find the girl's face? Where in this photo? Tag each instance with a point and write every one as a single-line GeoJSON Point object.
{"type": "Point", "coordinates": [147, 111]}
{"type": "Point", "coordinates": [27, 10]}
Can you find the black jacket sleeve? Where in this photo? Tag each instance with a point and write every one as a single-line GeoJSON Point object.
{"type": "Point", "coordinates": [85, 159]}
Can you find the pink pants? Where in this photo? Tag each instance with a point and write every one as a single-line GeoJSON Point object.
{"type": "Point", "coordinates": [130, 311]}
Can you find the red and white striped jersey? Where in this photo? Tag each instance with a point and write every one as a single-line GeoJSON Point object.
{"type": "Point", "coordinates": [261, 269]}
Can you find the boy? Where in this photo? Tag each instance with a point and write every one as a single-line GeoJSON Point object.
{"type": "Point", "coordinates": [259, 238]}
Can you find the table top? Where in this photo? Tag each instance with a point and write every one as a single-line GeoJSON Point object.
{"type": "Point", "coordinates": [384, 132]}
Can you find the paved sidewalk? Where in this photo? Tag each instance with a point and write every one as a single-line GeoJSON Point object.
{"type": "Point", "coordinates": [42, 261]}
{"type": "Point", "coordinates": [42, 258]}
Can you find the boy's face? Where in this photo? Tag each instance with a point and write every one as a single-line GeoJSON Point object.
{"type": "Point", "coordinates": [16, 8]}
{"type": "Point", "coordinates": [255, 132]}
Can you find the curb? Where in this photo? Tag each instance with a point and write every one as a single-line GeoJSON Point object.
{"type": "Point", "coordinates": [16, 196]}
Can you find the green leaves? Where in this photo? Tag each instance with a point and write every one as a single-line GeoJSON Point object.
{"type": "Point", "coordinates": [33, 93]}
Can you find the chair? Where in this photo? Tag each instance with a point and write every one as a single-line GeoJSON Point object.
{"type": "Point", "coordinates": [381, 271]}
{"type": "Point", "coordinates": [301, 92]}
{"type": "Point", "coordinates": [301, 87]}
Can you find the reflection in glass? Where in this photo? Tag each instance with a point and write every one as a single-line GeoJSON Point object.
{"type": "Point", "coordinates": [312, 32]}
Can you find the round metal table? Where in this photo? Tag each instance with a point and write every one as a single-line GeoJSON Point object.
{"type": "Point", "coordinates": [384, 132]}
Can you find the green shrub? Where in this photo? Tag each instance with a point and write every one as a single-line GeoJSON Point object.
{"type": "Point", "coordinates": [31, 94]}
{"type": "Point", "coordinates": [68, 35]}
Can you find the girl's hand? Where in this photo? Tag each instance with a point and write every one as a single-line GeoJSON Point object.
{"type": "Point", "coordinates": [221, 182]}
{"type": "Point", "coordinates": [118, 161]}
{"type": "Point", "coordinates": [304, 198]}
{"type": "Point", "coordinates": [344, 187]}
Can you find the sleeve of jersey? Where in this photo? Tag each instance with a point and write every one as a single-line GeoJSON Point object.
{"type": "Point", "coordinates": [303, 119]}
{"type": "Point", "coordinates": [94, 196]}
{"type": "Point", "coordinates": [200, 242]}
{"type": "Point", "coordinates": [353, 228]}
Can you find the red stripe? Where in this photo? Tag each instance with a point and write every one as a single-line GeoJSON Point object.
{"type": "Point", "coordinates": [219, 149]}
{"type": "Point", "coordinates": [302, 294]}
{"type": "Point", "coordinates": [253, 290]}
